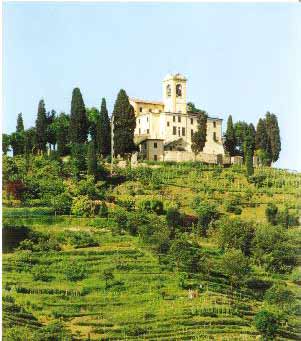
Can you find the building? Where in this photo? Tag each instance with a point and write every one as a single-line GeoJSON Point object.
{"type": "Point", "coordinates": [164, 129]}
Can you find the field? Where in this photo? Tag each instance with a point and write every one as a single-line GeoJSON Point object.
{"type": "Point", "coordinates": [128, 291]}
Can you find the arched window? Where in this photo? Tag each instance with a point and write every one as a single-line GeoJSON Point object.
{"type": "Point", "coordinates": [168, 90]}
{"type": "Point", "coordinates": [179, 90]}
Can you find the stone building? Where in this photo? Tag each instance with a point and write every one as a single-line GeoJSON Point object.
{"type": "Point", "coordinates": [164, 129]}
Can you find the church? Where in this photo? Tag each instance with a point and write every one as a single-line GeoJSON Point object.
{"type": "Point", "coordinates": [164, 129]}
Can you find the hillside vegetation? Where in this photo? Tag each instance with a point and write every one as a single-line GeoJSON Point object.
{"type": "Point", "coordinates": [156, 252]}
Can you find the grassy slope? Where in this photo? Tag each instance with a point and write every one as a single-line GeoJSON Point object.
{"type": "Point", "coordinates": [149, 301]}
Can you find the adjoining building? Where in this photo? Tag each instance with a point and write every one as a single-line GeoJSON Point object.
{"type": "Point", "coordinates": [164, 129]}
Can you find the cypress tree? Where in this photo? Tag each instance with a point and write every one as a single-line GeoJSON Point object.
{"type": "Point", "coordinates": [41, 127]}
{"type": "Point", "coordinates": [103, 131]}
{"type": "Point", "coordinates": [241, 129]}
{"type": "Point", "coordinates": [51, 129]}
{"type": "Point", "coordinates": [261, 138]}
{"type": "Point", "coordinates": [198, 139]}
{"type": "Point", "coordinates": [92, 160]}
{"type": "Point", "coordinates": [78, 130]}
{"type": "Point", "coordinates": [20, 125]}
{"type": "Point", "coordinates": [249, 151]}
{"type": "Point", "coordinates": [30, 140]}
{"type": "Point", "coordinates": [124, 125]}
{"type": "Point", "coordinates": [273, 133]}
{"type": "Point", "coordinates": [78, 159]}
{"type": "Point", "coordinates": [61, 130]}
{"type": "Point", "coordinates": [230, 140]}
{"type": "Point", "coordinates": [93, 117]}
{"type": "Point", "coordinates": [5, 143]}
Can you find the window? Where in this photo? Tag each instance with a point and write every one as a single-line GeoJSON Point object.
{"type": "Point", "coordinates": [214, 124]}
{"type": "Point", "coordinates": [139, 121]}
{"type": "Point", "coordinates": [155, 158]}
{"type": "Point", "coordinates": [191, 132]}
{"type": "Point", "coordinates": [147, 131]}
{"type": "Point", "coordinates": [167, 124]}
{"type": "Point", "coordinates": [191, 121]}
{"type": "Point", "coordinates": [179, 131]}
{"type": "Point", "coordinates": [150, 110]}
{"type": "Point", "coordinates": [155, 145]}
{"type": "Point", "coordinates": [214, 137]}
{"type": "Point", "coordinates": [174, 118]}
{"type": "Point", "coordinates": [183, 131]}
{"type": "Point", "coordinates": [174, 130]}
{"type": "Point", "coordinates": [140, 109]}
{"type": "Point", "coordinates": [179, 118]}
{"type": "Point", "coordinates": [179, 90]}
{"type": "Point", "coordinates": [168, 90]}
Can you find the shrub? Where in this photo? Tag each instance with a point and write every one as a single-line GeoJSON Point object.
{"type": "Point", "coordinates": [103, 210]}
{"type": "Point", "coordinates": [82, 206]}
{"type": "Point", "coordinates": [266, 323]}
{"type": "Point", "coordinates": [74, 272]}
{"type": "Point", "coordinates": [280, 295]}
{"type": "Point", "coordinates": [41, 273]}
{"type": "Point", "coordinates": [207, 213]}
{"type": "Point", "coordinates": [62, 203]}
{"type": "Point", "coordinates": [154, 205]}
{"type": "Point", "coordinates": [232, 205]}
{"type": "Point", "coordinates": [271, 213]}
{"type": "Point", "coordinates": [127, 204]}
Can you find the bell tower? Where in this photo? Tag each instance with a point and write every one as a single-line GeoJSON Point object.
{"type": "Point", "coordinates": [174, 93]}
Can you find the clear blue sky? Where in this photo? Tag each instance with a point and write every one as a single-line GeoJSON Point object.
{"type": "Point", "coordinates": [242, 59]}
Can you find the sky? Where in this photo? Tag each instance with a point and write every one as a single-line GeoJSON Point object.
{"type": "Point", "coordinates": [241, 58]}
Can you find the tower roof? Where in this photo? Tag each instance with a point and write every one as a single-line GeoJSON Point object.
{"type": "Point", "coordinates": [176, 76]}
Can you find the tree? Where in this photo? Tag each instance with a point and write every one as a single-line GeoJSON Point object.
{"type": "Point", "coordinates": [78, 129]}
{"type": "Point", "coordinates": [5, 143]}
{"type": "Point", "coordinates": [273, 132]}
{"type": "Point", "coordinates": [249, 158]}
{"type": "Point", "coordinates": [207, 213]}
{"type": "Point", "coordinates": [236, 233]}
{"type": "Point", "coordinates": [61, 129]}
{"type": "Point", "coordinates": [93, 118]}
{"type": "Point", "coordinates": [199, 137]}
{"type": "Point", "coordinates": [41, 127]}
{"type": "Point", "coordinates": [75, 271]}
{"type": "Point", "coordinates": [92, 161]}
{"type": "Point", "coordinates": [173, 220]}
{"type": "Point", "coordinates": [103, 131]}
{"type": "Point", "coordinates": [230, 140]}
{"type": "Point", "coordinates": [20, 125]}
{"type": "Point", "coordinates": [236, 266]}
{"type": "Point", "coordinates": [271, 212]}
{"type": "Point", "coordinates": [280, 296]}
{"type": "Point", "coordinates": [78, 159]}
{"type": "Point", "coordinates": [267, 324]}
{"type": "Point", "coordinates": [124, 125]}
{"type": "Point", "coordinates": [241, 128]}
{"type": "Point", "coordinates": [17, 143]}
{"type": "Point", "coordinates": [51, 128]}
{"type": "Point", "coordinates": [261, 137]}
{"type": "Point", "coordinates": [30, 140]}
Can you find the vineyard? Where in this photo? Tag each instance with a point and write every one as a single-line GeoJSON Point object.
{"type": "Point", "coordinates": [114, 276]}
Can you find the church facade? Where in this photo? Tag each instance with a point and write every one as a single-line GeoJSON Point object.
{"type": "Point", "coordinates": [164, 129]}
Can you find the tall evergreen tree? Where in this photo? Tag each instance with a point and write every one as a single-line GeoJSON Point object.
{"type": "Point", "coordinates": [93, 117]}
{"type": "Point", "coordinates": [61, 130]}
{"type": "Point", "coordinates": [51, 129]}
{"type": "Point", "coordinates": [20, 124]}
{"type": "Point", "coordinates": [241, 128]}
{"type": "Point", "coordinates": [249, 150]}
{"type": "Point", "coordinates": [103, 131]}
{"type": "Point", "coordinates": [30, 140]}
{"type": "Point", "coordinates": [261, 138]}
{"type": "Point", "coordinates": [199, 137]}
{"type": "Point", "coordinates": [78, 130]}
{"type": "Point", "coordinates": [124, 125]}
{"type": "Point", "coordinates": [92, 160]}
{"type": "Point", "coordinates": [41, 127]}
{"type": "Point", "coordinates": [78, 159]}
{"type": "Point", "coordinates": [230, 140]}
{"type": "Point", "coordinates": [252, 134]}
{"type": "Point", "coordinates": [273, 133]}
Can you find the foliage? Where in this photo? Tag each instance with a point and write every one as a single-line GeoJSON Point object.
{"type": "Point", "coordinates": [236, 266]}
{"type": "Point", "coordinates": [273, 133]}
{"type": "Point", "coordinates": [92, 160]}
{"type": "Point", "coordinates": [198, 138]}
{"type": "Point", "coordinates": [41, 273]}
{"type": "Point", "coordinates": [82, 206]}
{"type": "Point", "coordinates": [281, 296]}
{"type": "Point", "coordinates": [124, 125]}
{"type": "Point", "coordinates": [74, 271]}
{"type": "Point", "coordinates": [153, 205]}
{"type": "Point", "coordinates": [266, 323]}
{"type": "Point", "coordinates": [271, 212]}
{"type": "Point", "coordinates": [78, 157]}
{"type": "Point", "coordinates": [41, 127]}
{"type": "Point", "coordinates": [107, 276]}
{"type": "Point", "coordinates": [207, 213]}
{"type": "Point", "coordinates": [230, 140]}
{"type": "Point", "coordinates": [61, 203]}
{"type": "Point", "coordinates": [236, 233]}
{"type": "Point", "coordinates": [78, 129]}
{"type": "Point", "coordinates": [12, 235]}
{"type": "Point", "coordinates": [5, 143]}
{"type": "Point", "coordinates": [61, 125]}
{"type": "Point", "coordinates": [103, 131]}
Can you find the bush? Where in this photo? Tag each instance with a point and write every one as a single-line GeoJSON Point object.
{"type": "Point", "coordinates": [74, 272]}
{"type": "Point", "coordinates": [280, 295]}
{"type": "Point", "coordinates": [154, 205]}
{"type": "Point", "coordinates": [232, 206]}
{"type": "Point", "coordinates": [103, 210]}
{"type": "Point", "coordinates": [207, 213]}
{"type": "Point", "coordinates": [62, 203]}
{"type": "Point", "coordinates": [82, 206]}
{"type": "Point", "coordinates": [41, 273]}
{"type": "Point", "coordinates": [267, 324]}
{"type": "Point", "coordinates": [79, 239]}
{"type": "Point", "coordinates": [271, 213]}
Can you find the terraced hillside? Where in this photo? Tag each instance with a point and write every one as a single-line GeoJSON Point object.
{"type": "Point", "coordinates": [113, 278]}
